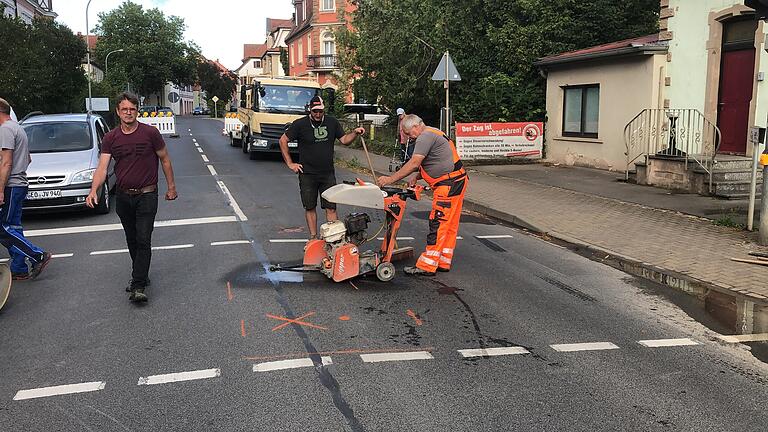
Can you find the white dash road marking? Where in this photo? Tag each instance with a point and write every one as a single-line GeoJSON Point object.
{"type": "Point", "coordinates": [396, 356]}
{"type": "Point", "coordinates": [287, 240]}
{"type": "Point", "coordinates": [59, 390]}
{"type": "Point", "coordinates": [757, 337]}
{"type": "Point", "coordinates": [494, 236]}
{"type": "Point", "coordinates": [64, 255]}
{"type": "Point", "coordinates": [289, 364]}
{"type": "Point", "coordinates": [197, 145]}
{"type": "Point", "coordinates": [232, 201]}
{"type": "Point", "coordinates": [181, 246]}
{"type": "Point", "coordinates": [491, 352]}
{"type": "Point", "coordinates": [118, 251]}
{"type": "Point", "coordinates": [656, 343]}
{"type": "Point", "coordinates": [230, 242]}
{"type": "Point", "coordinates": [180, 376]}
{"type": "Point", "coordinates": [194, 140]}
{"type": "Point", "coordinates": [205, 158]}
{"type": "Point", "coordinates": [200, 150]}
{"type": "Point", "coordinates": [398, 238]}
{"type": "Point", "coordinates": [109, 252]}
{"type": "Point", "coordinates": [590, 346]}
{"type": "Point", "coordinates": [118, 227]}
{"type": "Point", "coordinates": [212, 170]}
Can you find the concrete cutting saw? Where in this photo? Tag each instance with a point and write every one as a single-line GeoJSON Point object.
{"type": "Point", "coordinates": [337, 253]}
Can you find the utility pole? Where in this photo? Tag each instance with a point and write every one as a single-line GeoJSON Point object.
{"type": "Point", "coordinates": [88, 56]}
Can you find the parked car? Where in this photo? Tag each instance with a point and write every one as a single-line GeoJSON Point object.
{"type": "Point", "coordinates": [197, 111]}
{"type": "Point", "coordinates": [65, 150]}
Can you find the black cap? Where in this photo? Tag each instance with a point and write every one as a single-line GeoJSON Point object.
{"type": "Point", "coordinates": [316, 103]}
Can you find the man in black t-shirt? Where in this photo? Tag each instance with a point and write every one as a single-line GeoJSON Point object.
{"type": "Point", "coordinates": [315, 135]}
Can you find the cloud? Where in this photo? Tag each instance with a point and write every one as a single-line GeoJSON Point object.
{"type": "Point", "coordinates": [219, 28]}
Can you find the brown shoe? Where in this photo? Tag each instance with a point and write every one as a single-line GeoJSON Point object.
{"type": "Point", "coordinates": [39, 266]}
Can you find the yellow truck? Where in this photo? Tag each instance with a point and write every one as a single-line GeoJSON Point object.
{"type": "Point", "coordinates": [267, 107]}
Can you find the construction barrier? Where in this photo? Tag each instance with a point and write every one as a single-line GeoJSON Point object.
{"type": "Point", "coordinates": [231, 123]}
{"type": "Point", "coordinates": [164, 122]}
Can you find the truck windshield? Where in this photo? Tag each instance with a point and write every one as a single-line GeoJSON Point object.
{"type": "Point", "coordinates": [58, 137]}
{"type": "Point", "coordinates": [285, 99]}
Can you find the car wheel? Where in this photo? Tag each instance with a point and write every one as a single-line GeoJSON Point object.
{"type": "Point", "coordinates": [104, 205]}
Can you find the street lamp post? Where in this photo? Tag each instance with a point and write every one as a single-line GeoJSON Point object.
{"type": "Point", "coordinates": [88, 56]}
{"type": "Point", "coordinates": [106, 60]}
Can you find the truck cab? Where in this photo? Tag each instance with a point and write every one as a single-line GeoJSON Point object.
{"type": "Point", "coordinates": [267, 107]}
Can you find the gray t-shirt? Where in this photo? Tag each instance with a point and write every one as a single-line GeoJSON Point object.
{"type": "Point", "coordinates": [13, 137]}
{"type": "Point", "coordinates": [437, 152]}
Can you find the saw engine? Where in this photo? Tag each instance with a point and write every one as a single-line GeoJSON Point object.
{"type": "Point", "coordinates": [342, 239]}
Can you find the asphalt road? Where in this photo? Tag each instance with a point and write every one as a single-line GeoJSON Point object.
{"type": "Point", "coordinates": [208, 352]}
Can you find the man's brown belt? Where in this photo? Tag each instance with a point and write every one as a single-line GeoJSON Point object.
{"type": "Point", "coordinates": [139, 191]}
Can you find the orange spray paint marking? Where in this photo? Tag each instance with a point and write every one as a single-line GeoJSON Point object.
{"type": "Point", "coordinates": [298, 321]}
{"type": "Point", "coordinates": [344, 318]}
{"type": "Point", "coordinates": [415, 317]}
{"type": "Point", "coordinates": [229, 292]}
{"type": "Point", "coordinates": [242, 327]}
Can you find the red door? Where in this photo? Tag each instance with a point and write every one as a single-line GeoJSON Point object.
{"type": "Point", "coordinates": [736, 84]}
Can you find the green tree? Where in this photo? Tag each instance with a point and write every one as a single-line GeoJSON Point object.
{"type": "Point", "coordinates": [216, 83]}
{"type": "Point", "coordinates": [41, 66]}
{"type": "Point", "coordinates": [155, 50]}
{"type": "Point", "coordinates": [396, 46]}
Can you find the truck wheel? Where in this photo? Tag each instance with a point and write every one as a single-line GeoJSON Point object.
{"type": "Point", "coordinates": [244, 143]}
{"type": "Point", "coordinates": [254, 156]}
{"type": "Point", "coordinates": [232, 141]}
{"type": "Point", "coordinates": [385, 271]}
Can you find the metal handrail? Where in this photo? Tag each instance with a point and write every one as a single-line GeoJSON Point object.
{"type": "Point", "coordinates": [682, 133]}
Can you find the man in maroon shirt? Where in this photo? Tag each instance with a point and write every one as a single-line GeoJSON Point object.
{"type": "Point", "coordinates": [136, 148]}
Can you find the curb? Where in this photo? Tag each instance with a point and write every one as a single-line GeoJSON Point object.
{"type": "Point", "coordinates": [627, 264]}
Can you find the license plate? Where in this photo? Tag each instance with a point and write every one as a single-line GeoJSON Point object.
{"type": "Point", "coordinates": [293, 144]}
{"type": "Point", "coordinates": [43, 194]}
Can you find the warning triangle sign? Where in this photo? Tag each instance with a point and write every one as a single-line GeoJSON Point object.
{"type": "Point", "coordinates": [446, 64]}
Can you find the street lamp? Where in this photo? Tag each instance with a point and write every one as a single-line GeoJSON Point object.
{"type": "Point", "coordinates": [106, 61]}
{"type": "Point", "coordinates": [88, 56]}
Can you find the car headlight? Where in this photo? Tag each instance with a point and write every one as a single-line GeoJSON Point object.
{"type": "Point", "coordinates": [83, 176]}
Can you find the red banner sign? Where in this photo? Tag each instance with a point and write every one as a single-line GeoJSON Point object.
{"type": "Point", "coordinates": [493, 140]}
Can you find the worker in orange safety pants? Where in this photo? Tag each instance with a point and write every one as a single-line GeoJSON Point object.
{"type": "Point", "coordinates": [438, 163]}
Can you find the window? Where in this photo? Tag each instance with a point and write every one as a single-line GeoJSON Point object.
{"type": "Point", "coordinates": [309, 44]}
{"type": "Point", "coordinates": [327, 5]}
{"type": "Point", "coordinates": [329, 44]}
{"type": "Point", "coordinates": [581, 111]}
{"type": "Point", "coordinates": [257, 63]}
{"type": "Point", "coordinates": [301, 51]}
{"type": "Point", "coordinates": [293, 52]}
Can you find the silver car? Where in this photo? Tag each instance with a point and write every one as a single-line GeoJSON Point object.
{"type": "Point", "coordinates": [65, 150]}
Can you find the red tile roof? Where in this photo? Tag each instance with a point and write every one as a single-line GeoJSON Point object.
{"type": "Point", "coordinates": [605, 49]}
{"type": "Point", "coordinates": [254, 50]}
{"type": "Point", "coordinates": [222, 68]}
{"type": "Point", "coordinates": [92, 39]}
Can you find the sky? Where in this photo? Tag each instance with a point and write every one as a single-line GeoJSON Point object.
{"type": "Point", "coordinates": [219, 28]}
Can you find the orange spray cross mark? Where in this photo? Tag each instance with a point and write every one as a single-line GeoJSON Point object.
{"type": "Point", "coordinates": [298, 321]}
{"type": "Point", "coordinates": [230, 296]}
{"type": "Point", "coordinates": [415, 317]}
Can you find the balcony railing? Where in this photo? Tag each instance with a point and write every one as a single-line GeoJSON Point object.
{"type": "Point", "coordinates": [322, 61]}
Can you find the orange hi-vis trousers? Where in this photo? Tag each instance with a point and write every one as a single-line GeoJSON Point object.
{"type": "Point", "coordinates": [447, 201]}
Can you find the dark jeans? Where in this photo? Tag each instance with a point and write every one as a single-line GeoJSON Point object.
{"type": "Point", "coordinates": [11, 232]}
{"type": "Point", "coordinates": [137, 214]}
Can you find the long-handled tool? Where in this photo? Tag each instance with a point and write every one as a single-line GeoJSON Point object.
{"type": "Point", "coordinates": [368, 156]}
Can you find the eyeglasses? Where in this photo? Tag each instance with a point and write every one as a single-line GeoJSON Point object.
{"type": "Point", "coordinates": [317, 110]}
{"type": "Point", "coordinates": [128, 110]}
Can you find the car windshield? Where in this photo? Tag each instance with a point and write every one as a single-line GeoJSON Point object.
{"type": "Point", "coordinates": [285, 99]}
{"type": "Point", "coordinates": [58, 137]}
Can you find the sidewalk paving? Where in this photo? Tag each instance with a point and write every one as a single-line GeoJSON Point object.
{"type": "Point", "coordinates": [651, 232]}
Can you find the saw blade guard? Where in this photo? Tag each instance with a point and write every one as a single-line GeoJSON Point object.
{"type": "Point", "coordinates": [366, 195]}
